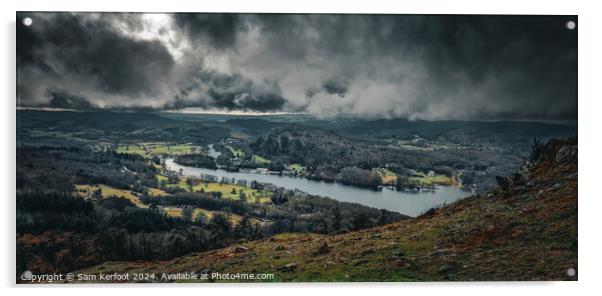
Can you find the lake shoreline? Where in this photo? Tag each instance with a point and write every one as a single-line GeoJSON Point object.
{"type": "Point", "coordinates": [404, 202]}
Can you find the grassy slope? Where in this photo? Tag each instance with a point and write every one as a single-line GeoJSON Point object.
{"type": "Point", "coordinates": [527, 232]}
{"type": "Point", "coordinates": [432, 180]}
{"type": "Point", "coordinates": [252, 195]}
{"type": "Point", "coordinates": [159, 148]}
{"type": "Point", "coordinates": [261, 160]}
{"type": "Point", "coordinates": [236, 152]}
{"type": "Point", "coordinates": [110, 191]}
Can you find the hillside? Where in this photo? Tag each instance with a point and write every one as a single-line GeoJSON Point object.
{"type": "Point", "coordinates": [326, 153]}
{"type": "Point", "coordinates": [526, 229]}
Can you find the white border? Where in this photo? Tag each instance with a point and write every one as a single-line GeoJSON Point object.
{"type": "Point", "coordinates": [589, 133]}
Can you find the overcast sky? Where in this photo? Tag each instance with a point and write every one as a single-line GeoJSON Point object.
{"type": "Point", "coordinates": [372, 66]}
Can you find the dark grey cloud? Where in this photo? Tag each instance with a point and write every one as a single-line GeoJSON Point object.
{"type": "Point", "coordinates": [63, 100]}
{"type": "Point", "coordinates": [218, 29]}
{"type": "Point", "coordinates": [436, 66]}
{"type": "Point", "coordinates": [528, 63]}
{"type": "Point", "coordinates": [338, 87]}
{"type": "Point", "coordinates": [231, 92]}
{"type": "Point", "coordinates": [413, 66]}
{"type": "Point", "coordinates": [81, 54]}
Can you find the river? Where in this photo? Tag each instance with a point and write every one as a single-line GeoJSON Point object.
{"type": "Point", "coordinates": [411, 204]}
{"type": "Point", "coordinates": [212, 152]}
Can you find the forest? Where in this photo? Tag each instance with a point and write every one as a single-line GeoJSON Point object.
{"type": "Point", "coordinates": [93, 186]}
{"type": "Point", "coordinates": [51, 217]}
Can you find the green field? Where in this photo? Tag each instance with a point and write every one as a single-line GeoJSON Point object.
{"type": "Point", "coordinates": [297, 167]}
{"type": "Point", "coordinates": [85, 190]}
{"type": "Point", "coordinates": [176, 212]}
{"type": "Point", "coordinates": [155, 148]}
{"type": "Point", "coordinates": [432, 180]}
{"type": "Point", "coordinates": [239, 135]}
{"type": "Point", "coordinates": [233, 218]}
{"type": "Point", "coordinates": [261, 160]}
{"type": "Point", "coordinates": [172, 211]}
{"type": "Point", "coordinates": [236, 152]}
{"type": "Point", "coordinates": [229, 191]}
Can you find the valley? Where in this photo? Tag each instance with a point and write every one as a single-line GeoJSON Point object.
{"type": "Point", "coordinates": [525, 232]}
{"type": "Point", "coordinates": [101, 187]}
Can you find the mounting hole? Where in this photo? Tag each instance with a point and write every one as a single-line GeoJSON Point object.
{"type": "Point", "coordinates": [27, 275]}
{"type": "Point", "coordinates": [571, 272]}
{"type": "Point", "coordinates": [571, 25]}
{"type": "Point", "coordinates": [27, 21]}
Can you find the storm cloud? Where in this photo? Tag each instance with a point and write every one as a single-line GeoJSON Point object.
{"type": "Point", "coordinates": [410, 66]}
{"type": "Point", "coordinates": [218, 29]}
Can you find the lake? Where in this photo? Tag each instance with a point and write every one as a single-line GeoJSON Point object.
{"type": "Point", "coordinates": [411, 204]}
